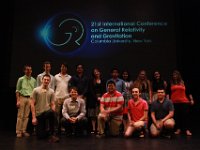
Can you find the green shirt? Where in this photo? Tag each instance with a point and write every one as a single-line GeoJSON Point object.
{"type": "Point", "coordinates": [25, 85]}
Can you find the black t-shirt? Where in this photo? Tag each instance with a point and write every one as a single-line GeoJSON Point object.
{"type": "Point", "coordinates": [162, 109]}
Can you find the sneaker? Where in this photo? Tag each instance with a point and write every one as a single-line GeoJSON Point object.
{"type": "Point", "coordinates": [141, 135]}
{"type": "Point", "coordinates": [167, 136]}
{"type": "Point", "coordinates": [19, 135]}
{"type": "Point", "coordinates": [178, 131]}
{"type": "Point", "coordinates": [26, 134]}
{"type": "Point", "coordinates": [188, 133]}
{"type": "Point", "coordinates": [62, 129]}
{"type": "Point", "coordinates": [69, 134]}
{"type": "Point", "coordinates": [54, 139]}
{"type": "Point", "coordinates": [100, 135]}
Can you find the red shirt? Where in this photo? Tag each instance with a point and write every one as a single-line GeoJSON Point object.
{"type": "Point", "coordinates": [137, 110]}
{"type": "Point", "coordinates": [178, 94]}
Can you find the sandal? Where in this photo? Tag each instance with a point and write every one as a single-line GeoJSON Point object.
{"type": "Point", "coordinates": [188, 133]}
{"type": "Point", "coordinates": [92, 132]}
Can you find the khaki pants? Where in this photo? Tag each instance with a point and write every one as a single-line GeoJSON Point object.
{"type": "Point", "coordinates": [168, 124]}
{"type": "Point", "coordinates": [23, 114]}
{"type": "Point", "coordinates": [59, 104]}
{"type": "Point", "coordinates": [138, 125]}
{"type": "Point", "coordinates": [113, 123]}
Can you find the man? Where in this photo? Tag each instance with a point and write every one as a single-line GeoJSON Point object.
{"type": "Point", "coordinates": [111, 110]}
{"type": "Point", "coordinates": [47, 70]}
{"type": "Point", "coordinates": [120, 84]}
{"type": "Point", "coordinates": [81, 81]}
{"type": "Point", "coordinates": [137, 114]}
{"type": "Point", "coordinates": [74, 111]}
{"type": "Point", "coordinates": [61, 92]}
{"type": "Point", "coordinates": [162, 112]}
{"type": "Point", "coordinates": [24, 88]}
{"type": "Point", "coordinates": [43, 109]}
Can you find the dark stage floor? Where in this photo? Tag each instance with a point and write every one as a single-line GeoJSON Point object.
{"type": "Point", "coordinates": [8, 141]}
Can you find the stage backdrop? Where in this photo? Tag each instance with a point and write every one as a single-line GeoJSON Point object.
{"type": "Point", "coordinates": [131, 34]}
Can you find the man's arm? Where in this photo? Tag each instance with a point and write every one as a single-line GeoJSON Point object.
{"type": "Point", "coordinates": [115, 109]}
{"type": "Point", "coordinates": [34, 119]}
{"type": "Point", "coordinates": [153, 118]}
{"type": "Point", "coordinates": [82, 110]}
{"type": "Point", "coordinates": [145, 116]}
{"type": "Point", "coordinates": [64, 110]}
{"type": "Point", "coordinates": [17, 99]}
{"type": "Point", "coordinates": [170, 115]}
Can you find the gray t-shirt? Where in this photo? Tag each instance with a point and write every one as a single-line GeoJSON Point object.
{"type": "Point", "coordinates": [43, 99]}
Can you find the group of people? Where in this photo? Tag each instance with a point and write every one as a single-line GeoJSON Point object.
{"type": "Point", "coordinates": [115, 106]}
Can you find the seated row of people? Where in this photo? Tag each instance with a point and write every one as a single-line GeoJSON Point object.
{"type": "Point", "coordinates": [110, 116]}
{"type": "Point", "coordinates": [111, 113]}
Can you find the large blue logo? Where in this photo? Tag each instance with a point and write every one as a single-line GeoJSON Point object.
{"type": "Point", "coordinates": [64, 34]}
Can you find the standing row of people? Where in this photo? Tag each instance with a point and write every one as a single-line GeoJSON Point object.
{"type": "Point", "coordinates": [92, 91]}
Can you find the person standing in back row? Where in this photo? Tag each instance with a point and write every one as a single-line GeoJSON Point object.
{"type": "Point", "coordinates": [144, 85]}
{"type": "Point", "coordinates": [24, 88]}
{"type": "Point", "coordinates": [80, 80]}
{"type": "Point", "coordinates": [156, 83]}
{"type": "Point", "coordinates": [127, 96]}
{"type": "Point", "coordinates": [182, 99]}
{"type": "Point", "coordinates": [47, 70]}
{"type": "Point", "coordinates": [120, 84]}
{"type": "Point", "coordinates": [61, 92]}
{"type": "Point", "coordinates": [97, 87]}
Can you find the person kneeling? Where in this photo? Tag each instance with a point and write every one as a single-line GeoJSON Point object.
{"type": "Point", "coordinates": [137, 114]}
{"type": "Point", "coordinates": [74, 120]}
{"type": "Point", "coordinates": [111, 111]}
{"type": "Point", "coordinates": [162, 112]}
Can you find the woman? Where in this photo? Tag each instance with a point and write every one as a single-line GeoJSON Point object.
{"type": "Point", "coordinates": [97, 87]}
{"type": "Point", "coordinates": [182, 99]}
{"type": "Point", "coordinates": [157, 83]}
{"type": "Point", "coordinates": [143, 83]}
{"type": "Point", "coordinates": [127, 96]}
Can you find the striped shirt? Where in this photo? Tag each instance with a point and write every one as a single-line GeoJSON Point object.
{"type": "Point", "coordinates": [110, 101]}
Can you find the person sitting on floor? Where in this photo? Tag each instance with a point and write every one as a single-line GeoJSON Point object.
{"type": "Point", "coordinates": [74, 120]}
{"type": "Point", "coordinates": [162, 112]}
{"type": "Point", "coordinates": [111, 111]}
{"type": "Point", "coordinates": [137, 114]}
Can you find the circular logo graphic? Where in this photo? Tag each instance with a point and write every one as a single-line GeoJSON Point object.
{"type": "Point", "coordinates": [64, 33]}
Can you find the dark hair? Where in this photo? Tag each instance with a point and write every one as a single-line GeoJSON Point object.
{"type": "Point", "coordinates": [64, 64]}
{"type": "Point", "coordinates": [27, 65]}
{"type": "Point", "coordinates": [179, 77]}
{"type": "Point", "coordinates": [79, 65]}
{"type": "Point", "coordinates": [46, 62]}
{"type": "Point", "coordinates": [129, 76]}
{"type": "Point", "coordinates": [73, 88]}
{"type": "Point", "coordinates": [95, 68]}
{"type": "Point", "coordinates": [161, 88]}
{"type": "Point", "coordinates": [115, 68]}
{"type": "Point", "coordinates": [111, 82]}
{"type": "Point", "coordinates": [46, 75]}
{"type": "Point", "coordinates": [135, 86]}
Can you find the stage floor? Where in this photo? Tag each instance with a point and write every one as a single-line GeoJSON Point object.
{"type": "Point", "coordinates": [8, 141]}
